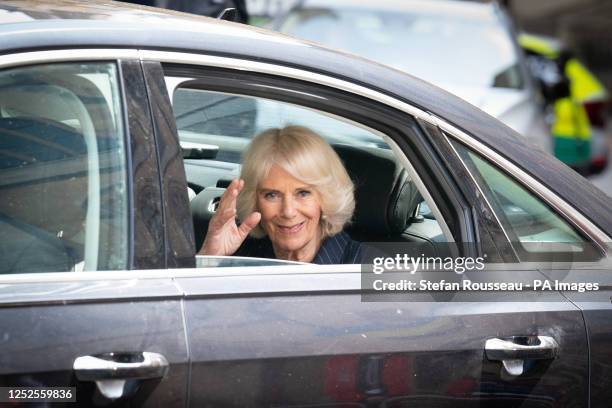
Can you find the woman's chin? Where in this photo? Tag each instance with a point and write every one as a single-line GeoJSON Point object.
{"type": "Point", "coordinates": [291, 244]}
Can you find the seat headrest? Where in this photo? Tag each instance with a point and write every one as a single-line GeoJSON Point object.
{"type": "Point", "coordinates": [34, 140]}
{"type": "Point", "coordinates": [385, 197]}
{"type": "Point", "coordinates": [43, 169]}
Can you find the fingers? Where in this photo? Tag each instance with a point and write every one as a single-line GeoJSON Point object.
{"type": "Point", "coordinates": [222, 217]}
{"type": "Point", "coordinates": [226, 210]}
{"type": "Point", "coordinates": [228, 199]}
{"type": "Point", "coordinates": [224, 236]}
{"type": "Point", "coordinates": [249, 223]}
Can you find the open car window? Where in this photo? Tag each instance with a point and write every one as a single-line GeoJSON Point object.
{"type": "Point", "coordinates": [215, 129]}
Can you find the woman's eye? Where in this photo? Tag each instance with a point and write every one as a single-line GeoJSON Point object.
{"type": "Point", "coordinates": [270, 195]}
{"type": "Point", "coordinates": [304, 193]}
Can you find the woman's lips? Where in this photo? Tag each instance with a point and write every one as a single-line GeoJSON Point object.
{"type": "Point", "coordinates": [291, 229]}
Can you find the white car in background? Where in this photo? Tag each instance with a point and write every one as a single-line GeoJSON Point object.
{"type": "Point", "coordinates": [466, 48]}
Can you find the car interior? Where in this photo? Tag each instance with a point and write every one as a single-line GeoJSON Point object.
{"type": "Point", "coordinates": [55, 130]}
{"type": "Point", "coordinates": [389, 207]}
{"type": "Point", "coordinates": [32, 214]}
{"type": "Point", "coordinates": [45, 173]}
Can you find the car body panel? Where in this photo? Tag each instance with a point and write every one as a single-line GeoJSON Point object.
{"type": "Point", "coordinates": [596, 309]}
{"type": "Point", "coordinates": [286, 334]}
{"type": "Point", "coordinates": [47, 325]}
{"type": "Point", "coordinates": [308, 339]}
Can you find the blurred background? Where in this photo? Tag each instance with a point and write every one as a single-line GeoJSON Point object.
{"type": "Point", "coordinates": [544, 67]}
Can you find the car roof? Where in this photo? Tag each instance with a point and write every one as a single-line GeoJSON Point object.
{"type": "Point", "coordinates": [36, 10]}
{"type": "Point", "coordinates": [71, 24]}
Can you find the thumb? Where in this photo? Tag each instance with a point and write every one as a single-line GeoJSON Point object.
{"type": "Point", "coordinates": [249, 223]}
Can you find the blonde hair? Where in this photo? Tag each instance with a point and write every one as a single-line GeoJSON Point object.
{"type": "Point", "coordinates": [307, 157]}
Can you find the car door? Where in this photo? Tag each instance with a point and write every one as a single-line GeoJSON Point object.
{"type": "Point", "coordinates": [596, 309]}
{"type": "Point", "coordinates": [572, 259]}
{"type": "Point", "coordinates": [80, 225]}
{"type": "Point", "coordinates": [309, 336]}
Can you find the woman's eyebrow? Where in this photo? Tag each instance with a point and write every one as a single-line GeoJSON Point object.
{"type": "Point", "coordinates": [269, 189]}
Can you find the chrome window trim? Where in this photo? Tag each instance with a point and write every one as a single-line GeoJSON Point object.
{"type": "Point", "coordinates": [267, 68]}
{"type": "Point", "coordinates": [38, 57]}
{"type": "Point", "coordinates": [569, 212]}
{"type": "Point", "coordinates": [135, 275]}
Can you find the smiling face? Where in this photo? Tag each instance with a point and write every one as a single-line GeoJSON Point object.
{"type": "Point", "coordinates": [290, 213]}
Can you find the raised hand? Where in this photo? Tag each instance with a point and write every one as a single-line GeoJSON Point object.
{"type": "Point", "coordinates": [224, 237]}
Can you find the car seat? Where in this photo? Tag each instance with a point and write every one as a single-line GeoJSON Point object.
{"type": "Point", "coordinates": [385, 197]}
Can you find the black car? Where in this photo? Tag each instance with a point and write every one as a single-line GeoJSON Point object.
{"type": "Point", "coordinates": [121, 126]}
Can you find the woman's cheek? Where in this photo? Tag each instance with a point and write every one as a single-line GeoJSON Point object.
{"type": "Point", "coordinates": [267, 210]}
{"type": "Point", "coordinates": [314, 205]}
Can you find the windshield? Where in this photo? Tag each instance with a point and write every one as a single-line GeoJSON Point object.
{"type": "Point", "coordinates": [441, 49]}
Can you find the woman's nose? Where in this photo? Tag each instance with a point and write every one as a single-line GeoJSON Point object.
{"type": "Point", "coordinates": [289, 209]}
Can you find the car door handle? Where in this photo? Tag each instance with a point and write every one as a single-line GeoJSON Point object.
{"type": "Point", "coordinates": [514, 351]}
{"type": "Point", "coordinates": [545, 347]}
{"type": "Point", "coordinates": [120, 366]}
{"type": "Point", "coordinates": [112, 371]}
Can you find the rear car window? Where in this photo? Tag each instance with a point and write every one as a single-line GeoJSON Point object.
{"type": "Point", "coordinates": [62, 169]}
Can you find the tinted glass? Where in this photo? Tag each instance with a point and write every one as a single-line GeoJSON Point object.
{"type": "Point", "coordinates": [62, 169]}
{"type": "Point", "coordinates": [536, 230]}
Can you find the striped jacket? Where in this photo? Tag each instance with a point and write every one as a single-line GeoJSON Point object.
{"type": "Point", "coordinates": [337, 249]}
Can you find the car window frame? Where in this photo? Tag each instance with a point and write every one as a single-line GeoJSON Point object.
{"type": "Point", "coordinates": [492, 241]}
{"type": "Point", "coordinates": [285, 89]}
{"type": "Point", "coordinates": [586, 228]}
{"type": "Point", "coordinates": [531, 183]}
{"type": "Point", "coordinates": [178, 228]}
{"type": "Point", "coordinates": [517, 245]}
{"type": "Point", "coordinates": [145, 233]}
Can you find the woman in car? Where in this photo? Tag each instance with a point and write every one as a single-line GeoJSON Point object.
{"type": "Point", "coordinates": [294, 198]}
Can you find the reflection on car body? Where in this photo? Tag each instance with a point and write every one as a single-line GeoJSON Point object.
{"type": "Point", "coordinates": [427, 166]}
